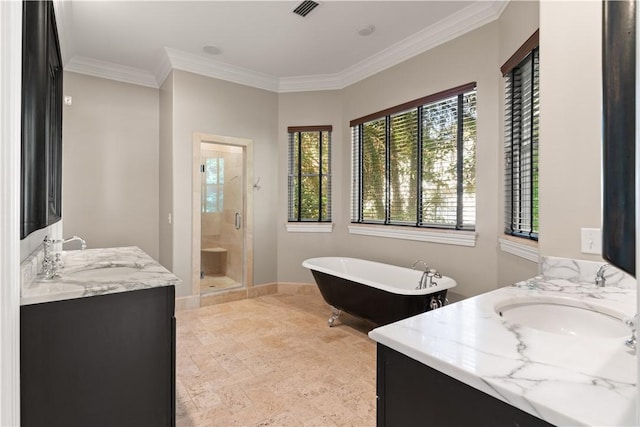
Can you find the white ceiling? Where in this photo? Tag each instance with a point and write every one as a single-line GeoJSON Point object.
{"type": "Point", "coordinates": [262, 43]}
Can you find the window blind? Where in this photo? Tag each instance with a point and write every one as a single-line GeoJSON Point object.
{"type": "Point", "coordinates": [521, 147]}
{"type": "Point", "coordinates": [416, 166]}
{"type": "Point", "coordinates": [309, 174]}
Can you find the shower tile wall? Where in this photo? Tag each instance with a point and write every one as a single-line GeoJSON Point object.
{"type": "Point", "coordinates": [218, 228]}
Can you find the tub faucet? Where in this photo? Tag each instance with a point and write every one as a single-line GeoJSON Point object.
{"type": "Point", "coordinates": [600, 279]}
{"type": "Point", "coordinates": [428, 276]}
{"type": "Point", "coordinates": [426, 280]}
{"type": "Point", "coordinates": [421, 282]}
{"type": "Point", "coordinates": [424, 264]}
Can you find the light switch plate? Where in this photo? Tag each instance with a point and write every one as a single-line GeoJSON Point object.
{"type": "Point", "coordinates": [591, 242]}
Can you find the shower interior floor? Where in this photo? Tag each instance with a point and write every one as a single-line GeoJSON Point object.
{"type": "Point", "coordinates": [215, 283]}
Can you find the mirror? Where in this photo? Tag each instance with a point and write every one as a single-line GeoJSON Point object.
{"type": "Point", "coordinates": [41, 153]}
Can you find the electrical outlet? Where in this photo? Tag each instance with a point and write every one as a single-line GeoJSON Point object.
{"type": "Point", "coordinates": [591, 242]}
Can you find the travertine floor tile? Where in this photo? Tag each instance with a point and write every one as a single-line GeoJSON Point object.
{"type": "Point", "coordinates": [273, 361]}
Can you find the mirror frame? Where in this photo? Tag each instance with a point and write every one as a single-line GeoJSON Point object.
{"type": "Point", "coordinates": [41, 152]}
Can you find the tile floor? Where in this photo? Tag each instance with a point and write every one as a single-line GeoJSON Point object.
{"type": "Point", "coordinates": [273, 361]}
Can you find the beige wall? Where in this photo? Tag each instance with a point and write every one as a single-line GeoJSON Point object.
{"type": "Point", "coordinates": [518, 22]}
{"type": "Point", "coordinates": [472, 57]}
{"type": "Point", "coordinates": [110, 163]}
{"type": "Point", "coordinates": [100, 126]}
{"type": "Point", "coordinates": [212, 106]}
{"type": "Point", "coordinates": [570, 124]}
{"type": "Point", "coordinates": [309, 109]}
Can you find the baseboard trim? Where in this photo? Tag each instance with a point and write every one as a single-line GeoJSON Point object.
{"type": "Point", "coordinates": [187, 303]}
{"type": "Point", "coordinates": [286, 288]}
{"type": "Point", "coordinates": [295, 288]}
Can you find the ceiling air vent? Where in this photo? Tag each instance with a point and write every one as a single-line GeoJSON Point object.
{"type": "Point", "coordinates": [304, 8]}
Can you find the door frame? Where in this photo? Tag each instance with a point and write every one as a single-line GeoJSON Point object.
{"type": "Point", "coordinates": [247, 205]}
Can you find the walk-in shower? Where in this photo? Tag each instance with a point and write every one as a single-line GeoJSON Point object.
{"type": "Point", "coordinates": [221, 216]}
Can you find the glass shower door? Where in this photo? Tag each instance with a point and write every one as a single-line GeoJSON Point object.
{"type": "Point", "coordinates": [222, 231]}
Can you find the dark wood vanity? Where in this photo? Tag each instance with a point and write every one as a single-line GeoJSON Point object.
{"type": "Point", "coordinates": [413, 394]}
{"type": "Point", "coordinates": [99, 361]}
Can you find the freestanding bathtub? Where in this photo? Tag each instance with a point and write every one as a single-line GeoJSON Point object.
{"type": "Point", "coordinates": [380, 293]}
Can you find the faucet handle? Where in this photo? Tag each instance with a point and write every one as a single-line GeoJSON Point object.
{"type": "Point", "coordinates": [631, 323]}
{"type": "Point", "coordinates": [58, 262]}
{"type": "Point", "coordinates": [435, 273]}
{"type": "Point", "coordinates": [600, 280]}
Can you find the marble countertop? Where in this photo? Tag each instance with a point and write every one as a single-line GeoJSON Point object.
{"type": "Point", "coordinates": [562, 379]}
{"type": "Point", "coordinates": [97, 272]}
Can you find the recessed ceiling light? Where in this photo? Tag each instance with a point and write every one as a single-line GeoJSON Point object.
{"type": "Point", "coordinates": [212, 50]}
{"type": "Point", "coordinates": [366, 30]}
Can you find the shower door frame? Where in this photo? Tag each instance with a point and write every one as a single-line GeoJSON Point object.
{"type": "Point", "coordinates": [247, 206]}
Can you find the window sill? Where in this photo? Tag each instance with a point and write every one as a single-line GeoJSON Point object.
{"type": "Point", "coordinates": [516, 246]}
{"type": "Point", "coordinates": [447, 237]}
{"type": "Point", "coordinates": [309, 227]}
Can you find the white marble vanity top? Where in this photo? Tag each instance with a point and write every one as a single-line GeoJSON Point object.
{"type": "Point", "coordinates": [96, 272]}
{"type": "Point", "coordinates": [562, 379]}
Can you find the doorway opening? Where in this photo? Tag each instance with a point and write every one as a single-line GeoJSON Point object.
{"type": "Point", "coordinates": [221, 223]}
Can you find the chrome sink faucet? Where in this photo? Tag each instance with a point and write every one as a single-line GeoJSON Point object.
{"type": "Point", "coordinates": [632, 324]}
{"type": "Point", "coordinates": [83, 244]}
{"type": "Point", "coordinates": [51, 266]}
{"type": "Point", "coordinates": [600, 279]}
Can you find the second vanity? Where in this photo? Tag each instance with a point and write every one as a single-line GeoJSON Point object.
{"type": "Point", "coordinates": [468, 362]}
{"type": "Point", "coordinates": [97, 343]}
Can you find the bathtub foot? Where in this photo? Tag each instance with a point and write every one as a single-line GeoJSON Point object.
{"type": "Point", "coordinates": [335, 313]}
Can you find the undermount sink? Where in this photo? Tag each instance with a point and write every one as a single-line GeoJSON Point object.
{"type": "Point", "coordinates": [563, 317]}
{"type": "Point", "coordinates": [109, 271]}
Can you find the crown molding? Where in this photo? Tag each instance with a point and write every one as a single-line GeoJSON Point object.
{"type": "Point", "coordinates": [200, 65]}
{"type": "Point", "coordinates": [163, 67]}
{"type": "Point", "coordinates": [468, 19]}
{"type": "Point", "coordinates": [473, 16]}
{"type": "Point", "coordinates": [311, 83]}
{"type": "Point", "coordinates": [109, 70]}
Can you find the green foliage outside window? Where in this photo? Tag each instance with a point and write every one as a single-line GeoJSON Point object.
{"type": "Point", "coordinates": [213, 191]}
{"type": "Point", "coordinates": [418, 166]}
{"type": "Point", "coordinates": [310, 176]}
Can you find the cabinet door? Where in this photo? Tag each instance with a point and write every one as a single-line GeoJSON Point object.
{"type": "Point", "coordinates": [413, 394]}
{"type": "Point", "coordinates": [99, 361]}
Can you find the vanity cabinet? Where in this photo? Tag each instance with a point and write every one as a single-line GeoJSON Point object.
{"type": "Point", "coordinates": [413, 394]}
{"type": "Point", "coordinates": [106, 360]}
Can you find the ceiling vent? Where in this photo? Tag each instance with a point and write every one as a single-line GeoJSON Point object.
{"type": "Point", "coordinates": [304, 8]}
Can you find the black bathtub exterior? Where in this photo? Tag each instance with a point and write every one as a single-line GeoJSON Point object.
{"type": "Point", "coordinates": [378, 306]}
